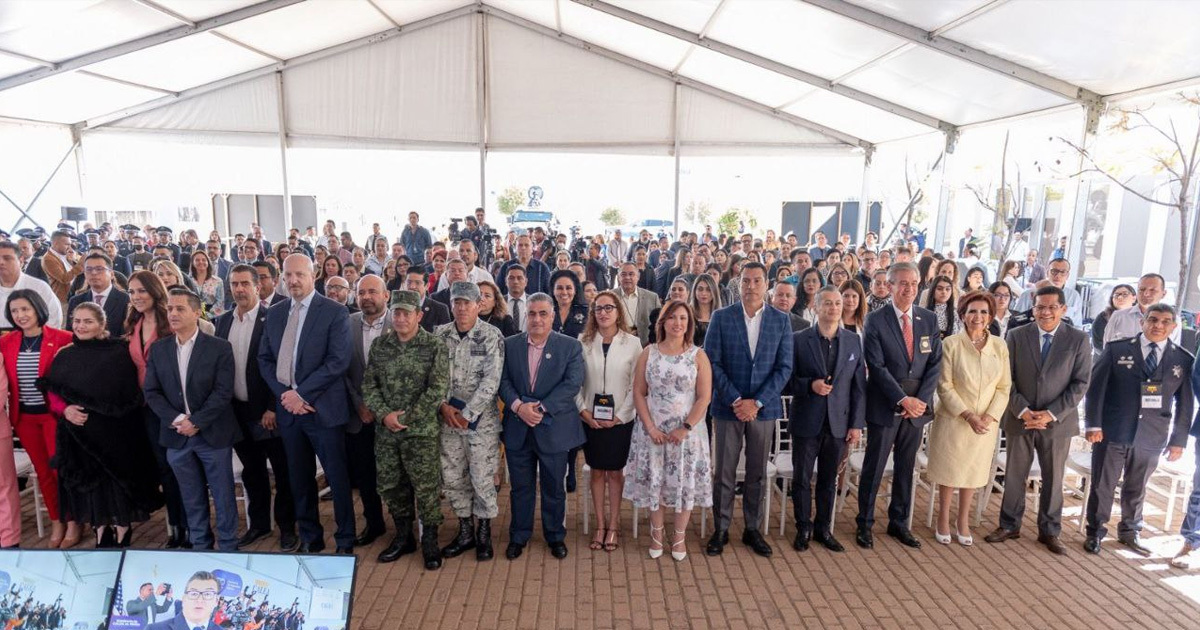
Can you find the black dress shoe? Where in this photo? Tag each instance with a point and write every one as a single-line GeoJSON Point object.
{"type": "Point", "coordinates": [864, 538]}
{"type": "Point", "coordinates": [369, 535]}
{"type": "Point", "coordinates": [317, 546]}
{"type": "Point", "coordinates": [1092, 545]}
{"type": "Point", "coordinates": [827, 540]}
{"type": "Point", "coordinates": [716, 544]}
{"type": "Point", "coordinates": [1000, 535]}
{"type": "Point", "coordinates": [558, 549]}
{"type": "Point", "coordinates": [173, 539]}
{"type": "Point", "coordinates": [345, 551]}
{"type": "Point", "coordinates": [1053, 544]}
{"type": "Point", "coordinates": [904, 535]}
{"type": "Point", "coordinates": [801, 541]}
{"type": "Point", "coordinates": [288, 541]}
{"type": "Point", "coordinates": [1134, 543]}
{"type": "Point", "coordinates": [754, 539]}
{"type": "Point", "coordinates": [483, 539]}
{"type": "Point", "coordinates": [252, 536]}
{"type": "Point", "coordinates": [514, 550]}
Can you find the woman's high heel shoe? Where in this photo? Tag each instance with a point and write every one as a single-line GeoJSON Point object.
{"type": "Point", "coordinates": [57, 531]}
{"type": "Point", "coordinates": [655, 554]}
{"type": "Point", "coordinates": [108, 538]}
{"type": "Point", "coordinates": [70, 540]}
{"type": "Point", "coordinates": [126, 540]}
{"type": "Point", "coordinates": [943, 539]}
{"type": "Point", "coordinates": [965, 541]}
{"type": "Point", "coordinates": [679, 556]}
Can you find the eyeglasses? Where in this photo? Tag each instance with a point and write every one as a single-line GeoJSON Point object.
{"type": "Point", "coordinates": [95, 269]}
{"type": "Point", "coordinates": [1058, 272]}
{"type": "Point", "coordinates": [604, 308]}
{"type": "Point", "coordinates": [207, 596]}
{"type": "Point", "coordinates": [1122, 294]}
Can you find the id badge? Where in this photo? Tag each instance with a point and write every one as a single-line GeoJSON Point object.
{"type": "Point", "coordinates": [1152, 395]}
{"type": "Point", "coordinates": [602, 407]}
{"type": "Point", "coordinates": [926, 345]}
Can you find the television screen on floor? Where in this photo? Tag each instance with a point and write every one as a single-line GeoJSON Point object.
{"type": "Point", "coordinates": [71, 590]}
{"type": "Point", "coordinates": [173, 590]}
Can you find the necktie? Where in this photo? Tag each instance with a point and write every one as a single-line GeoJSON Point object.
{"type": "Point", "coordinates": [906, 330]}
{"type": "Point", "coordinates": [516, 313]}
{"type": "Point", "coordinates": [1046, 339]}
{"type": "Point", "coordinates": [100, 301]}
{"type": "Point", "coordinates": [1152, 361]}
{"type": "Point", "coordinates": [283, 367]}
{"type": "Point", "coordinates": [198, 628]}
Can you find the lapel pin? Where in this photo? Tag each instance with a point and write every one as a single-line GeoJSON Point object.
{"type": "Point", "coordinates": [549, 356]}
{"type": "Point", "coordinates": [1177, 370]}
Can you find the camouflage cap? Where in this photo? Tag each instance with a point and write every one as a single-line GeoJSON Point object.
{"type": "Point", "coordinates": [464, 291]}
{"type": "Point", "coordinates": [407, 300]}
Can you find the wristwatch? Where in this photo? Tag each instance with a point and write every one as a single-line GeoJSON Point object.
{"type": "Point", "coordinates": [686, 426]}
{"type": "Point", "coordinates": [758, 403]}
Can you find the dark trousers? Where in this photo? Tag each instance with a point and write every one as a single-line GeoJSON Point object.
{"type": "Point", "coordinates": [176, 517]}
{"type": "Point", "coordinates": [257, 479]}
{"type": "Point", "coordinates": [525, 466]}
{"type": "Point", "coordinates": [360, 458]}
{"type": "Point", "coordinates": [826, 452]}
{"type": "Point", "coordinates": [1052, 455]}
{"type": "Point", "coordinates": [901, 441]}
{"type": "Point", "coordinates": [202, 469]}
{"type": "Point", "coordinates": [1108, 462]}
{"type": "Point", "coordinates": [306, 442]}
{"type": "Point", "coordinates": [732, 435]}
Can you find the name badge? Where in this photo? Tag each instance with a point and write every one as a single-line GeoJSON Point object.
{"type": "Point", "coordinates": [1152, 395]}
{"type": "Point", "coordinates": [603, 407]}
{"type": "Point", "coordinates": [926, 345]}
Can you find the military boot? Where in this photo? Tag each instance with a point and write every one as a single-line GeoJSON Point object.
{"type": "Point", "coordinates": [483, 540]}
{"type": "Point", "coordinates": [429, 548]}
{"type": "Point", "coordinates": [404, 543]}
{"type": "Point", "coordinates": [465, 540]}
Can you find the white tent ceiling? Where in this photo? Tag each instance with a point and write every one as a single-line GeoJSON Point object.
{"type": "Point", "coordinates": [622, 74]}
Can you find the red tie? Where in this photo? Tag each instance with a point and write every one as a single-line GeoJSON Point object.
{"type": "Point", "coordinates": [906, 330]}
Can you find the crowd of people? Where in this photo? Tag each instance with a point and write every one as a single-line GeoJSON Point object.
{"type": "Point", "coordinates": [138, 365]}
{"type": "Point", "coordinates": [21, 610]}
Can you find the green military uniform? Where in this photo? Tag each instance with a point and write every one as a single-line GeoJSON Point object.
{"type": "Point", "coordinates": [470, 456]}
{"type": "Point", "coordinates": [412, 377]}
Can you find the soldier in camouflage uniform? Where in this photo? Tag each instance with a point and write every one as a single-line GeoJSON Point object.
{"type": "Point", "coordinates": [471, 421]}
{"type": "Point", "coordinates": [405, 382]}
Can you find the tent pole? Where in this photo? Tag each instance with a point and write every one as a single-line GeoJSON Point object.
{"type": "Point", "coordinates": [25, 213]}
{"type": "Point", "coordinates": [481, 89]}
{"type": "Point", "coordinates": [283, 169]}
{"type": "Point", "coordinates": [864, 203]}
{"type": "Point", "coordinates": [675, 150]}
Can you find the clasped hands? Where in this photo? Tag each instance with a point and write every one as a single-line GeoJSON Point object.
{"type": "Point", "coordinates": [295, 404]}
{"type": "Point", "coordinates": [1036, 420]}
{"type": "Point", "coordinates": [911, 407]}
{"type": "Point", "coordinates": [184, 427]}
{"type": "Point", "coordinates": [592, 422]}
{"type": "Point", "coordinates": [529, 414]}
{"type": "Point", "coordinates": [979, 423]}
{"type": "Point", "coordinates": [452, 416]}
{"type": "Point", "coordinates": [745, 409]}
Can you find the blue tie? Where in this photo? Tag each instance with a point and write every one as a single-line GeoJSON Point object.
{"type": "Point", "coordinates": [1152, 360]}
{"type": "Point", "coordinates": [1046, 339]}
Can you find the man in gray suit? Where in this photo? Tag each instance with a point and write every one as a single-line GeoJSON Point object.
{"type": "Point", "coordinates": [638, 301]}
{"type": "Point", "coordinates": [1051, 365]}
{"type": "Point", "coordinates": [365, 327]}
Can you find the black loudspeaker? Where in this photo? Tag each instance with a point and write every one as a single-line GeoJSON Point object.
{"type": "Point", "coordinates": [74, 213]}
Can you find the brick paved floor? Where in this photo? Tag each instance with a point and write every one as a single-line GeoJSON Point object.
{"type": "Point", "coordinates": [1017, 584]}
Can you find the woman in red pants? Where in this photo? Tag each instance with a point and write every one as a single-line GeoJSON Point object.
{"type": "Point", "coordinates": [27, 354]}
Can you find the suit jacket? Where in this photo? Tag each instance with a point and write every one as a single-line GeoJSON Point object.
{"type": "Point", "coordinates": [1056, 386]}
{"type": "Point", "coordinates": [434, 314]}
{"type": "Point", "coordinates": [53, 340]}
{"type": "Point", "coordinates": [612, 375]}
{"type": "Point", "coordinates": [798, 323]}
{"type": "Point", "coordinates": [116, 307]}
{"type": "Point", "coordinates": [321, 361]}
{"type": "Point", "coordinates": [358, 367]}
{"type": "Point", "coordinates": [209, 390]}
{"type": "Point", "coordinates": [560, 375]}
{"type": "Point", "coordinates": [139, 608]}
{"type": "Point", "coordinates": [646, 303]}
{"type": "Point", "coordinates": [887, 359]}
{"type": "Point", "coordinates": [179, 623]}
{"type": "Point", "coordinates": [260, 397]}
{"type": "Point", "coordinates": [59, 276]}
{"type": "Point", "coordinates": [442, 297]}
{"type": "Point", "coordinates": [844, 408]}
{"type": "Point", "coordinates": [738, 375]}
{"type": "Point", "coordinates": [1114, 398]}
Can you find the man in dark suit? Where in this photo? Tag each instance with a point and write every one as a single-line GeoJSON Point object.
{"type": "Point", "coordinates": [1139, 406]}
{"type": "Point", "coordinates": [365, 327]}
{"type": "Point", "coordinates": [254, 408]}
{"type": "Point", "coordinates": [829, 382]}
{"type": "Point", "coordinates": [189, 383]}
{"type": "Point", "coordinates": [783, 298]}
{"type": "Point", "coordinates": [145, 607]}
{"type": "Point", "coordinates": [268, 277]}
{"type": "Point", "coordinates": [433, 313]}
{"type": "Point", "coordinates": [97, 272]}
{"type": "Point", "coordinates": [750, 347]}
{"type": "Point", "coordinates": [1051, 365]}
{"type": "Point", "coordinates": [543, 371]}
{"type": "Point", "coordinates": [904, 355]}
{"type": "Point", "coordinates": [308, 380]}
{"type": "Point", "coordinates": [201, 597]}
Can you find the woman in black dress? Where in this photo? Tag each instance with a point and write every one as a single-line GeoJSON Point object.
{"type": "Point", "coordinates": [106, 469]}
{"type": "Point", "coordinates": [570, 310]}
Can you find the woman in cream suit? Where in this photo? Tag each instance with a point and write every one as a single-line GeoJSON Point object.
{"type": "Point", "coordinates": [973, 392]}
{"type": "Point", "coordinates": [10, 497]}
{"type": "Point", "coordinates": [605, 403]}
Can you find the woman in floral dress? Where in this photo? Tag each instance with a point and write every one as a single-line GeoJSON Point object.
{"type": "Point", "coordinates": [669, 458]}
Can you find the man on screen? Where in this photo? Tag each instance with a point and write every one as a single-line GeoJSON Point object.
{"type": "Point", "coordinates": [145, 607]}
{"type": "Point", "coordinates": [199, 601]}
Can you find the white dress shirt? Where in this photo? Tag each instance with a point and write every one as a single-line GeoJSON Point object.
{"type": "Point", "coordinates": [1041, 338]}
{"type": "Point", "coordinates": [240, 333]}
{"type": "Point", "coordinates": [25, 281]}
{"type": "Point", "coordinates": [371, 332]}
{"type": "Point", "coordinates": [99, 298]}
{"type": "Point", "coordinates": [184, 355]}
{"type": "Point", "coordinates": [753, 326]}
{"type": "Point", "coordinates": [631, 306]}
{"type": "Point", "coordinates": [519, 306]}
{"type": "Point", "coordinates": [476, 275]}
{"type": "Point", "coordinates": [304, 304]}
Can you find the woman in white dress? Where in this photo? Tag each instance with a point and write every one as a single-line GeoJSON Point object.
{"type": "Point", "coordinates": [669, 459]}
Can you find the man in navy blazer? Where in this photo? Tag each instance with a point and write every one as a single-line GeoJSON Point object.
{"type": "Point", "coordinates": [195, 611]}
{"type": "Point", "coordinates": [189, 382]}
{"type": "Point", "coordinates": [1138, 407]}
{"type": "Point", "coordinates": [304, 355]}
{"type": "Point", "coordinates": [904, 371]}
{"type": "Point", "coordinates": [543, 371]}
{"type": "Point", "coordinates": [254, 407]}
{"type": "Point", "coordinates": [829, 384]}
{"type": "Point", "coordinates": [750, 347]}
{"type": "Point", "coordinates": [98, 274]}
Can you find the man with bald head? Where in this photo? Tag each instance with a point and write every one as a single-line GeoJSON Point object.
{"type": "Point", "coordinates": [308, 382]}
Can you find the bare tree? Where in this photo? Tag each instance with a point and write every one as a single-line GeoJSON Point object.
{"type": "Point", "coordinates": [914, 185]}
{"type": "Point", "coordinates": [1006, 202]}
{"type": "Point", "coordinates": [1180, 161]}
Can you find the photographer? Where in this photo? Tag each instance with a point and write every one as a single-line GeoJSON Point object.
{"type": "Point", "coordinates": [145, 607]}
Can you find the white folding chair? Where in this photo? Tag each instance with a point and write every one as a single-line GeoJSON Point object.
{"type": "Point", "coordinates": [782, 459]}
{"type": "Point", "coordinates": [24, 467]}
{"type": "Point", "coordinates": [1079, 462]}
{"type": "Point", "coordinates": [1178, 477]}
{"type": "Point", "coordinates": [851, 477]}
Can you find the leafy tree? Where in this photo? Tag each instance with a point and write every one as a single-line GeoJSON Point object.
{"type": "Point", "coordinates": [728, 222]}
{"type": "Point", "coordinates": [512, 198]}
{"type": "Point", "coordinates": [612, 216]}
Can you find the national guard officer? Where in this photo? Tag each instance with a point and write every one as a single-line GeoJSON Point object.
{"type": "Point", "coordinates": [405, 382]}
{"type": "Point", "coordinates": [1138, 404]}
{"type": "Point", "coordinates": [471, 421]}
